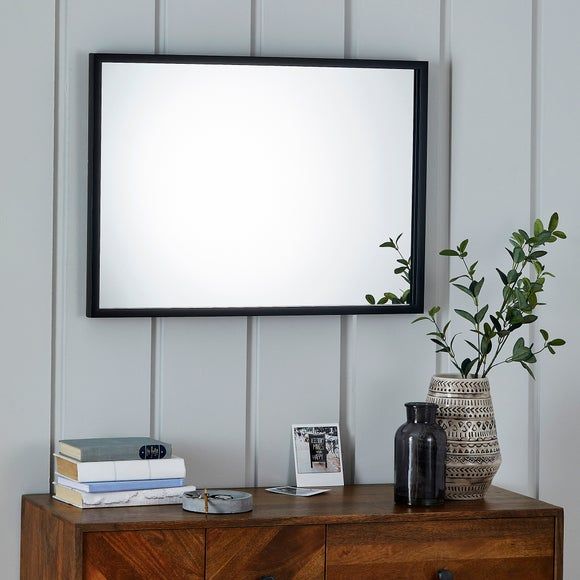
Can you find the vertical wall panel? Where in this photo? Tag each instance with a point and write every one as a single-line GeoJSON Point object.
{"type": "Point", "coordinates": [203, 397]}
{"type": "Point", "coordinates": [490, 178]}
{"type": "Point", "coordinates": [201, 385]}
{"type": "Point", "coordinates": [102, 369]}
{"type": "Point", "coordinates": [559, 184]}
{"type": "Point", "coordinates": [298, 382]}
{"type": "Point", "coordinates": [298, 359]}
{"type": "Point", "coordinates": [302, 28]}
{"type": "Point", "coordinates": [394, 360]}
{"type": "Point", "coordinates": [207, 27]}
{"type": "Point", "coordinates": [26, 173]}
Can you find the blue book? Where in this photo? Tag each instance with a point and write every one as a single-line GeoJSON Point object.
{"type": "Point", "coordinates": [105, 486]}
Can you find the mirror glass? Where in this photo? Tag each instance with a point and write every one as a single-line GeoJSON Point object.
{"type": "Point", "coordinates": [240, 186]}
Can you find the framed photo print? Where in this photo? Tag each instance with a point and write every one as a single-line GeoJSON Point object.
{"type": "Point", "coordinates": [317, 454]}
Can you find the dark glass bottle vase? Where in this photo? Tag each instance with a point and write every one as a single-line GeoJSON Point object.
{"type": "Point", "coordinates": [420, 447]}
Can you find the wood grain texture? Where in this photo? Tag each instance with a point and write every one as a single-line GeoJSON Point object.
{"type": "Point", "coordinates": [349, 504]}
{"type": "Point", "coordinates": [473, 549]}
{"type": "Point", "coordinates": [356, 531]}
{"type": "Point", "coordinates": [176, 554]}
{"type": "Point", "coordinates": [559, 546]}
{"type": "Point", "coordinates": [49, 546]}
{"type": "Point", "coordinates": [284, 552]}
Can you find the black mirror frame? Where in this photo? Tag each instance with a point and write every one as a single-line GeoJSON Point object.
{"type": "Point", "coordinates": [416, 303]}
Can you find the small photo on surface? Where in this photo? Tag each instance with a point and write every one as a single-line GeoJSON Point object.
{"type": "Point", "coordinates": [297, 491]}
{"type": "Point", "coordinates": [317, 454]}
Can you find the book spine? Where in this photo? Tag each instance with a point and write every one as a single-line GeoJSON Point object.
{"type": "Point", "coordinates": [126, 452]}
{"type": "Point", "coordinates": [131, 470]}
{"type": "Point", "coordinates": [108, 486]}
{"type": "Point", "coordinates": [131, 498]}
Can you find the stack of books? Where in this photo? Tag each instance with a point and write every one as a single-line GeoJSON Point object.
{"type": "Point", "coordinates": [118, 472]}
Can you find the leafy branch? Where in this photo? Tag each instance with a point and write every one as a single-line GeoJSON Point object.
{"type": "Point", "coordinates": [522, 283]}
{"type": "Point", "coordinates": [403, 269]}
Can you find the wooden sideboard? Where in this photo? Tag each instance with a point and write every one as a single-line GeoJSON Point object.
{"type": "Point", "coordinates": [354, 532]}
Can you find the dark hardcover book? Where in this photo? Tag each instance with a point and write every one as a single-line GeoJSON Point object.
{"type": "Point", "coordinates": [115, 448]}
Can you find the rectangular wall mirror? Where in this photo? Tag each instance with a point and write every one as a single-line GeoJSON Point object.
{"type": "Point", "coordinates": [254, 186]}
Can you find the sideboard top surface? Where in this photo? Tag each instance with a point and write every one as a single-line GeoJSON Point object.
{"type": "Point", "coordinates": [341, 505]}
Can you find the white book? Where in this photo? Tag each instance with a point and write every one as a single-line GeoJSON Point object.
{"type": "Point", "coordinates": [119, 470]}
{"type": "Point", "coordinates": [160, 496]}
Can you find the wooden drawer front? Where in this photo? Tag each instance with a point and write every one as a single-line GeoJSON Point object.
{"type": "Point", "coordinates": [494, 549]}
{"type": "Point", "coordinates": [252, 553]}
{"type": "Point", "coordinates": [171, 554]}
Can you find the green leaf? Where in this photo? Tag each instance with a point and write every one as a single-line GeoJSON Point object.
{"type": "Point", "coordinates": [383, 300]}
{"type": "Point", "coordinates": [438, 342]}
{"type": "Point", "coordinates": [481, 314]}
{"type": "Point", "coordinates": [544, 334]}
{"type": "Point", "coordinates": [529, 318]}
{"type": "Point", "coordinates": [495, 322]}
{"type": "Point", "coordinates": [512, 276]}
{"type": "Point", "coordinates": [478, 287]}
{"type": "Point", "coordinates": [485, 345]}
{"type": "Point", "coordinates": [557, 342]}
{"type": "Point", "coordinates": [448, 253]}
{"type": "Point", "coordinates": [472, 346]}
{"type": "Point", "coordinates": [370, 298]}
{"type": "Point", "coordinates": [519, 345]}
{"type": "Point", "coordinates": [463, 245]}
{"type": "Point", "coordinates": [401, 261]}
{"type": "Point", "coordinates": [389, 244]}
{"type": "Point", "coordinates": [458, 278]}
{"type": "Point", "coordinates": [419, 318]}
{"type": "Point", "coordinates": [528, 369]}
{"type": "Point", "coordinates": [502, 276]}
{"type": "Point", "coordinates": [553, 222]}
{"type": "Point", "coordinates": [446, 327]}
{"type": "Point", "coordinates": [518, 255]}
{"type": "Point", "coordinates": [466, 315]}
{"type": "Point", "coordinates": [399, 270]}
{"type": "Point", "coordinates": [538, 227]}
{"type": "Point", "coordinates": [537, 254]}
{"type": "Point", "coordinates": [433, 311]}
{"type": "Point", "coordinates": [467, 365]}
{"type": "Point", "coordinates": [464, 289]}
{"type": "Point", "coordinates": [560, 234]}
{"type": "Point", "coordinates": [398, 238]}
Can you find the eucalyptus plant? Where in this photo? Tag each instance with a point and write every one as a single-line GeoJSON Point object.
{"type": "Point", "coordinates": [403, 269]}
{"type": "Point", "coordinates": [521, 284]}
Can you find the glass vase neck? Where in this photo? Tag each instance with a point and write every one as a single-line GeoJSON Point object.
{"type": "Point", "coordinates": [421, 412]}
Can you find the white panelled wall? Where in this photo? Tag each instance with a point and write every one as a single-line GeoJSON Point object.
{"type": "Point", "coordinates": [504, 131]}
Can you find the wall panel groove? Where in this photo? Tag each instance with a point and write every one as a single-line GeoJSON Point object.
{"type": "Point", "coordinates": [490, 180]}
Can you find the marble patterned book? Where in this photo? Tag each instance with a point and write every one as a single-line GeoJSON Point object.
{"type": "Point", "coordinates": [159, 496]}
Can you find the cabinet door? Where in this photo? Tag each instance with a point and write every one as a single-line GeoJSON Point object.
{"type": "Point", "coordinates": [478, 549]}
{"type": "Point", "coordinates": [146, 554]}
{"type": "Point", "coordinates": [278, 552]}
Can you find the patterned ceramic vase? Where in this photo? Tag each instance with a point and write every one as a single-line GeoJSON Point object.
{"type": "Point", "coordinates": [466, 414]}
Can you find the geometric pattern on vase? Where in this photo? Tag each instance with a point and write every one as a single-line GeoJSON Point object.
{"type": "Point", "coordinates": [465, 412]}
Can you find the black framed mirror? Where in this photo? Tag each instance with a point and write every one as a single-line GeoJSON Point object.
{"type": "Point", "coordinates": [254, 186]}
